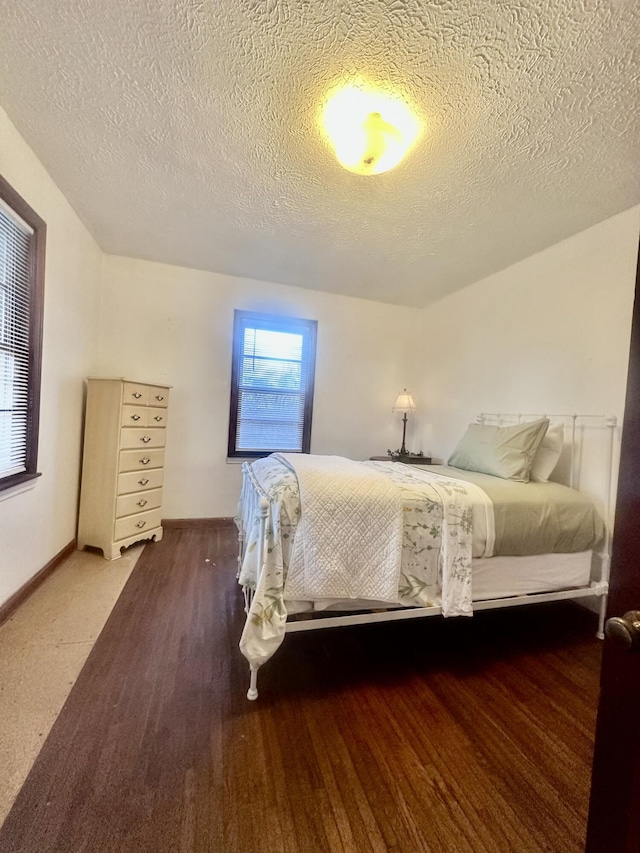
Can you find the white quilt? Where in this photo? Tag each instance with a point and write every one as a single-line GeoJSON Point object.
{"type": "Point", "coordinates": [439, 515]}
{"type": "Point", "coordinates": [359, 557]}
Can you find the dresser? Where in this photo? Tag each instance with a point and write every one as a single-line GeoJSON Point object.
{"type": "Point", "coordinates": [123, 464]}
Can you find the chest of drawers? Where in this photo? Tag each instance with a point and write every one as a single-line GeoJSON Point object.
{"type": "Point", "coordinates": [123, 464]}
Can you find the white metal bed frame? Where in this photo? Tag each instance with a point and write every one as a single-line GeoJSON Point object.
{"type": "Point", "coordinates": [598, 588]}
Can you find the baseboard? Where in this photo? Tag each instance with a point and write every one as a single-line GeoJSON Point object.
{"type": "Point", "coordinates": [11, 604]}
{"type": "Point", "coordinates": [185, 523]}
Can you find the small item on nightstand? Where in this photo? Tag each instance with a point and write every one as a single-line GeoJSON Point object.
{"type": "Point", "coordinates": [404, 455]}
{"type": "Point", "coordinates": [407, 458]}
{"type": "Point", "coordinates": [413, 459]}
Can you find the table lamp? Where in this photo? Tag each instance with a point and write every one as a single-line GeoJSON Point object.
{"type": "Point", "coordinates": [404, 404]}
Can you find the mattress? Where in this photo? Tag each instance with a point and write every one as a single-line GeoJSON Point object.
{"type": "Point", "coordinates": [534, 518]}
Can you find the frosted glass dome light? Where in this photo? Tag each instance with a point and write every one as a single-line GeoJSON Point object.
{"type": "Point", "coordinates": [370, 131]}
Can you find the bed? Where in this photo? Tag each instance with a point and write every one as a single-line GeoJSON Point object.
{"type": "Point", "coordinates": [326, 541]}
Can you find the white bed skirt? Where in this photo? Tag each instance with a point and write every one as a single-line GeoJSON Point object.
{"type": "Point", "coordinates": [494, 577]}
{"type": "Point", "coordinates": [500, 577]}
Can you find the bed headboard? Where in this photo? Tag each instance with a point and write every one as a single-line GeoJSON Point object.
{"type": "Point", "coordinates": [589, 460]}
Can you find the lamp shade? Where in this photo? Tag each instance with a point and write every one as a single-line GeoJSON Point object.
{"type": "Point", "coordinates": [404, 402]}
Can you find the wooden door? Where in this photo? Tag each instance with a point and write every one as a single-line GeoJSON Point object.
{"type": "Point", "coordinates": [614, 814]}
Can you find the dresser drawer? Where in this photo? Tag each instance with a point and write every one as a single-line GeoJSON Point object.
{"type": "Point", "coordinates": [139, 460]}
{"type": "Point", "coordinates": [140, 523]}
{"type": "Point", "coordinates": [140, 481]}
{"type": "Point", "coordinates": [141, 437]}
{"type": "Point", "coordinates": [143, 416]}
{"type": "Point", "coordinates": [136, 394]}
{"type": "Point", "coordinates": [156, 417]}
{"type": "Point", "coordinates": [130, 504]}
{"type": "Point", "coordinates": [134, 416]}
{"type": "Point", "coordinates": [159, 397]}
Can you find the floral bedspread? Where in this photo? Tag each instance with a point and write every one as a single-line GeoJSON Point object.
{"type": "Point", "coordinates": [436, 549]}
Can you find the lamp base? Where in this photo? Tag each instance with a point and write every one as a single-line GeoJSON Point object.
{"type": "Point", "coordinates": [403, 449]}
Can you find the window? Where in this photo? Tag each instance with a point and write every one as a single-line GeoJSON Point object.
{"type": "Point", "coordinates": [271, 384]}
{"type": "Point", "coordinates": [22, 245]}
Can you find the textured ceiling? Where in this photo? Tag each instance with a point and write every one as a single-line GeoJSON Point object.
{"type": "Point", "coordinates": [186, 131]}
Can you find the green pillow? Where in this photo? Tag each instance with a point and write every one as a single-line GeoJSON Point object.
{"type": "Point", "coordinates": [506, 452]}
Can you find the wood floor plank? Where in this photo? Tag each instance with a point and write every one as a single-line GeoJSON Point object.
{"type": "Point", "coordinates": [436, 736]}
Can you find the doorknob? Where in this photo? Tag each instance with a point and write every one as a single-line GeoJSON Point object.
{"type": "Point", "coordinates": [625, 631]}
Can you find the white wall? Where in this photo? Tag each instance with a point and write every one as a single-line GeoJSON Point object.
{"type": "Point", "coordinates": [548, 334]}
{"type": "Point", "coordinates": [169, 324]}
{"type": "Point", "coordinates": [36, 524]}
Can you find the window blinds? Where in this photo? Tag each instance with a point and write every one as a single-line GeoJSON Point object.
{"type": "Point", "coordinates": [15, 307]}
{"type": "Point", "coordinates": [273, 373]}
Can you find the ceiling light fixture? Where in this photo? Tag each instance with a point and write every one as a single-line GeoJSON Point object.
{"type": "Point", "coordinates": [370, 130]}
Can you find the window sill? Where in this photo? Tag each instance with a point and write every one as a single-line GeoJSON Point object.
{"type": "Point", "coordinates": [17, 484]}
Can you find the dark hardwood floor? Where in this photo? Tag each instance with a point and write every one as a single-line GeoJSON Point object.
{"type": "Point", "coordinates": [438, 735]}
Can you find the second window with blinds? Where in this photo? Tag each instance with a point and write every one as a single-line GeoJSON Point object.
{"type": "Point", "coordinates": [272, 378]}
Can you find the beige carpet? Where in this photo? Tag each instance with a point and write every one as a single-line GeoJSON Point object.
{"type": "Point", "coordinates": [42, 650]}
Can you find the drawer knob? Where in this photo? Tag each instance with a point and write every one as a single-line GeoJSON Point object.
{"type": "Point", "coordinates": [144, 480]}
{"type": "Point", "coordinates": [146, 439]}
{"type": "Point", "coordinates": [159, 397]}
{"type": "Point", "coordinates": [135, 417]}
{"type": "Point", "coordinates": [142, 503]}
{"type": "Point", "coordinates": [137, 395]}
{"type": "Point", "coordinates": [141, 524]}
{"type": "Point", "coordinates": [145, 460]}
{"type": "Point", "coordinates": [158, 418]}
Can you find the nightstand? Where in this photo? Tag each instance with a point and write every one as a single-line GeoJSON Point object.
{"type": "Point", "coordinates": [408, 460]}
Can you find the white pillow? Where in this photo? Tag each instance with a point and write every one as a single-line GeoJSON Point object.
{"type": "Point", "coordinates": [547, 455]}
{"type": "Point", "coordinates": [506, 452]}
